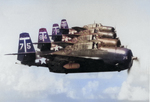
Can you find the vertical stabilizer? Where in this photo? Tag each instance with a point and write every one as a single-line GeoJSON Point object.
{"type": "Point", "coordinates": [43, 35]}
{"type": "Point", "coordinates": [44, 43]}
{"type": "Point", "coordinates": [26, 51]}
{"type": "Point", "coordinates": [56, 34]}
{"type": "Point", "coordinates": [64, 27]}
{"type": "Point", "coordinates": [64, 24]}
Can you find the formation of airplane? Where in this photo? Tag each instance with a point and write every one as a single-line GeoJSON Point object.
{"type": "Point", "coordinates": [91, 48]}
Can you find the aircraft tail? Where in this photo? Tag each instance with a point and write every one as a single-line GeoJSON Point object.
{"type": "Point", "coordinates": [44, 43]}
{"type": "Point", "coordinates": [56, 34]}
{"type": "Point", "coordinates": [26, 51]}
{"type": "Point", "coordinates": [64, 27]}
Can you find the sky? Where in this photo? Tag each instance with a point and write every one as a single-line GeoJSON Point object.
{"type": "Point", "coordinates": [19, 83]}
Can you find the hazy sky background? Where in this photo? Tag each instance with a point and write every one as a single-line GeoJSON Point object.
{"type": "Point", "coordinates": [19, 83]}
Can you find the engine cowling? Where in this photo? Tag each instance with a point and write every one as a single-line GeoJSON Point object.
{"type": "Point", "coordinates": [107, 34]}
{"type": "Point", "coordinates": [110, 42]}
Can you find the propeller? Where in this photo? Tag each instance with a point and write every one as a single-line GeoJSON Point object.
{"type": "Point", "coordinates": [133, 59]}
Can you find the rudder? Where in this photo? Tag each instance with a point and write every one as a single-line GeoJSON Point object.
{"type": "Point", "coordinates": [56, 34]}
{"type": "Point", "coordinates": [64, 27]}
{"type": "Point", "coordinates": [44, 43]}
{"type": "Point", "coordinates": [26, 51]}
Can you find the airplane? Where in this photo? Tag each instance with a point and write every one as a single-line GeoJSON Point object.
{"type": "Point", "coordinates": [96, 27]}
{"type": "Point", "coordinates": [82, 35]}
{"type": "Point", "coordinates": [106, 34]}
{"type": "Point", "coordinates": [102, 31]}
{"type": "Point", "coordinates": [95, 31]}
{"type": "Point", "coordinates": [77, 58]}
{"type": "Point", "coordinates": [99, 26]}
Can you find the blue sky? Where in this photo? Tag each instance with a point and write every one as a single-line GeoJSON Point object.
{"type": "Point", "coordinates": [28, 84]}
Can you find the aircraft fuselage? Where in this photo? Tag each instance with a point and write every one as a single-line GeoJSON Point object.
{"type": "Point", "coordinates": [104, 59]}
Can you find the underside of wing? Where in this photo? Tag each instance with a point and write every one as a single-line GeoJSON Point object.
{"type": "Point", "coordinates": [22, 53]}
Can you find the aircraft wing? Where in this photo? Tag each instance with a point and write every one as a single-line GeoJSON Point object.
{"type": "Point", "coordinates": [63, 44]}
{"type": "Point", "coordinates": [68, 35]}
{"type": "Point", "coordinates": [72, 35]}
{"type": "Point", "coordinates": [42, 43]}
{"type": "Point", "coordinates": [59, 43]}
{"type": "Point", "coordinates": [22, 53]}
{"type": "Point", "coordinates": [78, 29]}
{"type": "Point", "coordinates": [54, 35]}
{"type": "Point", "coordinates": [61, 53]}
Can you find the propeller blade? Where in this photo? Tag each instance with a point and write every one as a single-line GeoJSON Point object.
{"type": "Point", "coordinates": [129, 70]}
{"type": "Point", "coordinates": [134, 59]}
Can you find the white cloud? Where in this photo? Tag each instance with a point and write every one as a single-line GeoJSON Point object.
{"type": "Point", "coordinates": [112, 92]}
{"type": "Point", "coordinates": [133, 93]}
{"type": "Point", "coordinates": [72, 93]}
{"type": "Point", "coordinates": [136, 87]}
{"type": "Point", "coordinates": [90, 89]}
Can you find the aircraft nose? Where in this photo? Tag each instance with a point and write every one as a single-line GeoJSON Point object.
{"type": "Point", "coordinates": [114, 35]}
{"type": "Point", "coordinates": [130, 60]}
{"type": "Point", "coordinates": [113, 29]}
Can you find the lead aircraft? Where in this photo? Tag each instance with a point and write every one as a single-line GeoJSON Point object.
{"type": "Point", "coordinates": [76, 58]}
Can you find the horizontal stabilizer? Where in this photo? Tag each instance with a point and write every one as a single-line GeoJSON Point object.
{"type": "Point", "coordinates": [42, 43]}
{"type": "Point", "coordinates": [78, 29]}
{"type": "Point", "coordinates": [63, 44]}
{"type": "Point", "coordinates": [22, 53]}
{"type": "Point", "coordinates": [54, 35]}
